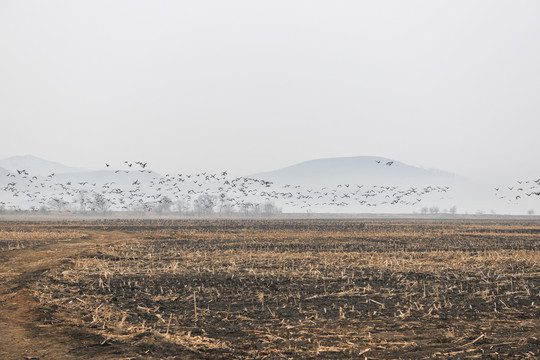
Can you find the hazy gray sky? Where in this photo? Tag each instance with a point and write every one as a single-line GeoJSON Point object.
{"type": "Point", "coordinates": [256, 85]}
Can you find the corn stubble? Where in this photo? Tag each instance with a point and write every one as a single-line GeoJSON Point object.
{"type": "Point", "coordinates": [318, 288]}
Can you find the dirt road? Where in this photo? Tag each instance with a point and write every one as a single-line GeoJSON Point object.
{"type": "Point", "coordinates": [23, 332]}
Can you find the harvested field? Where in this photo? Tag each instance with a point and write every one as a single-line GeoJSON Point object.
{"type": "Point", "coordinates": [244, 289]}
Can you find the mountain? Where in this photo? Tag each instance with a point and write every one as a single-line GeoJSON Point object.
{"type": "Point", "coordinates": [36, 166]}
{"type": "Point", "coordinates": [4, 172]}
{"type": "Point", "coordinates": [362, 183]}
{"type": "Point", "coordinates": [355, 170]}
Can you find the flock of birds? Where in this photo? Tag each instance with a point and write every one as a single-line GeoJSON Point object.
{"type": "Point", "coordinates": [145, 190]}
{"type": "Point", "coordinates": [521, 189]}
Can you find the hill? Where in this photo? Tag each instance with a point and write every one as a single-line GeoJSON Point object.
{"type": "Point", "coordinates": [36, 166]}
{"type": "Point", "coordinates": [4, 172]}
{"type": "Point", "coordinates": [355, 170]}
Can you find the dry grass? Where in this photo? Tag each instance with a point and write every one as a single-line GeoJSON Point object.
{"type": "Point", "coordinates": [332, 289]}
{"type": "Point", "coordinates": [17, 237]}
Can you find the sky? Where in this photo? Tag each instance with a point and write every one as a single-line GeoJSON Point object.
{"type": "Point", "coordinates": [252, 86]}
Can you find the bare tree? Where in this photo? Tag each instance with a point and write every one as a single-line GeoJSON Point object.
{"type": "Point", "coordinates": [164, 205]}
{"type": "Point", "coordinates": [57, 204]}
{"type": "Point", "coordinates": [256, 209]}
{"type": "Point", "coordinates": [82, 197]}
{"type": "Point", "coordinates": [269, 209]}
{"type": "Point", "coordinates": [204, 204]}
{"type": "Point", "coordinates": [246, 208]}
{"type": "Point", "coordinates": [453, 210]}
{"type": "Point", "coordinates": [434, 210]}
{"type": "Point", "coordinates": [225, 206]}
{"type": "Point", "coordinates": [100, 203]}
{"type": "Point", "coordinates": [182, 206]}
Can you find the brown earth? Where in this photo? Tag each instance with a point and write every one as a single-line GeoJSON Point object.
{"type": "Point", "coordinates": [23, 334]}
{"type": "Point", "coordinates": [24, 331]}
{"type": "Point", "coordinates": [298, 289]}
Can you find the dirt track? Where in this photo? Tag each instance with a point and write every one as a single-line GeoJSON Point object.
{"type": "Point", "coordinates": [29, 331]}
{"type": "Point", "coordinates": [23, 333]}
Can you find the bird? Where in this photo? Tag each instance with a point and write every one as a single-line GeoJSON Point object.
{"type": "Point", "coordinates": [389, 163]}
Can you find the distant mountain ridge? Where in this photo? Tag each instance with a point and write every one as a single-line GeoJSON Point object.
{"type": "Point", "coordinates": [317, 172]}
{"type": "Point", "coordinates": [36, 166]}
{"type": "Point", "coordinates": [358, 169]}
{"type": "Point", "coordinates": [349, 174]}
{"type": "Point", "coordinates": [4, 172]}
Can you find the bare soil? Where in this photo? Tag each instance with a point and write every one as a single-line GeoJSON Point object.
{"type": "Point", "coordinates": [270, 289]}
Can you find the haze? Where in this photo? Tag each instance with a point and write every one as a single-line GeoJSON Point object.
{"type": "Point", "coordinates": [253, 86]}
